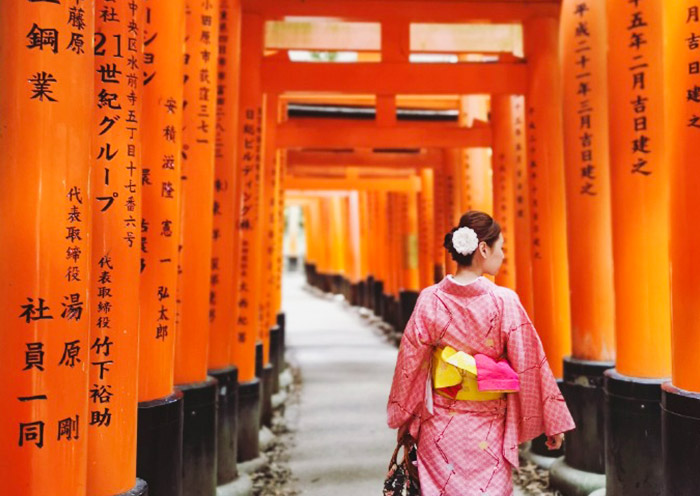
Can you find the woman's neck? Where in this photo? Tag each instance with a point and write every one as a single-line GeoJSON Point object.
{"type": "Point", "coordinates": [465, 275]}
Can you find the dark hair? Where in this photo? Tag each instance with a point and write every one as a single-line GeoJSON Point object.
{"type": "Point", "coordinates": [486, 229]}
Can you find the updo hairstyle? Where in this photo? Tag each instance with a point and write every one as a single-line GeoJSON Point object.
{"type": "Point", "coordinates": [486, 229]}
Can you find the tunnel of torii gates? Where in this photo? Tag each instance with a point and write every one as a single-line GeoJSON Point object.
{"type": "Point", "coordinates": [148, 149]}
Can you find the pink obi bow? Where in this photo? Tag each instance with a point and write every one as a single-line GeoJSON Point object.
{"type": "Point", "coordinates": [495, 375]}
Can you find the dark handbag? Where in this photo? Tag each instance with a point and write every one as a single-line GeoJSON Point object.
{"type": "Point", "coordinates": [402, 478]}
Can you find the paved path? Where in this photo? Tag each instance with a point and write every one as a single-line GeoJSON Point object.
{"type": "Point", "coordinates": [342, 444]}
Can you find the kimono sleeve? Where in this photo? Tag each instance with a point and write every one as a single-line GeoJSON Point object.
{"type": "Point", "coordinates": [407, 396]}
{"type": "Point", "coordinates": [539, 407]}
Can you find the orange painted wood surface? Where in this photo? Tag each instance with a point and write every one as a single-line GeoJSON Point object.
{"type": "Point", "coordinates": [116, 249]}
{"type": "Point", "coordinates": [164, 34]}
{"type": "Point", "coordinates": [547, 198]}
{"type": "Point", "coordinates": [640, 190]}
{"type": "Point", "coordinates": [46, 122]}
{"type": "Point", "coordinates": [682, 85]}
{"type": "Point", "coordinates": [505, 157]}
{"type": "Point", "coordinates": [198, 208]}
{"type": "Point", "coordinates": [587, 165]}
{"type": "Point", "coordinates": [223, 272]}
{"type": "Point", "coordinates": [248, 169]}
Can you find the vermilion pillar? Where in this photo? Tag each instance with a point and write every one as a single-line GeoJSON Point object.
{"type": "Point", "coordinates": [426, 228]}
{"type": "Point", "coordinates": [639, 183]}
{"type": "Point", "coordinates": [249, 157]}
{"type": "Point", "coordinates": [451, 191]}
{"type": "Point", "coordinates": [522, 230]}
{"type": "Point", "coordinates": [410, 282]}
{"type": "Point", "coordinates": [504, 147]}
{"type": "Point", "coordinates": [681, 397]}
{"type": "Point", "coordinates": [46, 117]}
{"type": "Point", "coordinates": [160, 408]}
{"type": "Point", "coordinates": [116, 250]}
{"type": "Point", "coordinates": [221, 313]}
{"type": "Point", "coordinates": [587, 165]}
{"type": "Point", "coordinates": [265, 258]}
{"type": "Point", "coordinates": [476, 187]}
{"type": "Point", "coordinates": [198, 208]}
{"type": "Point", "coordinates": [547, 199]}
{"type": "Point", "coordinates": [439, 222]}
{"type": "Point", "coordinates": [380, 276]}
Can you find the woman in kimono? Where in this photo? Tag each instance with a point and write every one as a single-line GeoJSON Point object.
{"type": "Point", "coordinates": [472, 380]}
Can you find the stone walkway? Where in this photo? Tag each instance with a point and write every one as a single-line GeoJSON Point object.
{"type": "Point", "coordinates": [342, 444]}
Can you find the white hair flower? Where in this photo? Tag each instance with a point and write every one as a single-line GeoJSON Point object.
{"type": "Point", "coordinates": [465, 241]}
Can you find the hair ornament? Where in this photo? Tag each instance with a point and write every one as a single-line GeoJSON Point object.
{"type": "Point", "coordinates": [465, 241]}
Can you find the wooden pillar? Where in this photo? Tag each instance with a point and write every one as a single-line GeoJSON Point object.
{"type": "Point", "coordinates": [452, 192]}
{"type": "Point", "coordinates": [476, 185]}
{"type": "Point", "coordinates": [640, 185]}
{"type": "Point", "coordinates": [426, 228]}
{"type": "Point", "coordinates": [522, 231]}
{"type": "Point", "coordinates": [197, 212]}
{"type": "Point", "coordinates": [505, 155]}
{"type": "Point", "coordinates": [588, 181]}
{"type": "Point", "coordinates": [115, 257]}
{"type": "Point", "coordinates": [221, 311]}
{"type": "Point", "coordinates": [587, 166]}
{"type": "Point", "coordinates": [164, 35]}
{"type": "Point", "coordinates": [267, 224]}
{"type": "Point", "coordinates": [249, 159]}
{"type": "Point", "coordinates": [198, 206]}
{"type": "Point", "coordinates": [410, 241]}
{"type": "Point", "coordinates": [547, 199]}
{"type": "Point", "coordinates": [46, 114]}
{"type": "Point", "coordinates": [639, 191]}
{"type": "Point", "coordinates": [440, 224]}
{"type": "Point", "coordinates": [681, 397]}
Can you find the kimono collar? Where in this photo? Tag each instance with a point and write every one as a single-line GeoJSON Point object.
{"type": "Point", "coordinates": [475, 288]}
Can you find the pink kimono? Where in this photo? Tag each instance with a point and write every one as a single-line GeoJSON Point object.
{"type": "Point", "coordinates": [469, 447]}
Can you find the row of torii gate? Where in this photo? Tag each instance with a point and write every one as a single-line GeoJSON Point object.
{"type": "Point", "coordinates": [146, 148]}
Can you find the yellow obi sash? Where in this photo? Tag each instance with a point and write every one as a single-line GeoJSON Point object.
{"type": "Point", "coordinates": [452, 368]}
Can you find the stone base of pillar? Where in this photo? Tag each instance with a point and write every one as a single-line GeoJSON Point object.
{"type": "Point", "coordinates": [266, 401]}
{"type": "Point", "coordinates": [438, 273]}
{"type": "Point", "coordinates": [377, 296]}
{"type": "Point", "coordinates": [227, 424]}
{"type": "Point", "coordinates": [282, 346]}
{"type": "Point", "coordinates": [388, 309]}
{"type": "Point", "coordinates": [199, 458]}
{"type": "Point", "coordinates": [368, 297]}
{"type": "Point", "coordinates": [680, 427]}
{"type": "Point", "coordinates": [336, 284]}
{"type": "Point", "coordinates": [357, 292]}
{"type": "Point", "coordinates": [139, 489]}
{"type": "Point", "coordinates": [159, 445]}
{"type": "Point", "coordinates": [572, 482]}
{"type": "Point", "coordinates": [585, 397]}
{"type": "Point", "coordinates": [275, 357]}
{"type": "Point", "coordinates": [407, 302]}
{"type": "Point", "coordinates": [292, 263]}
{"type": "Point", "coordinates": [633, 460]}
{"type": "Point", "coordinates": [249, 399]}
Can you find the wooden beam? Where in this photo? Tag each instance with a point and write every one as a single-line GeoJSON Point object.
{"type": "Point", "coordinates": [437, 102]}
{"type": "Point", "coordinates": [363, 159]}
{"type": "Point", "coordinates": [290, 135]}
{"type": "Point", "coordinates": [388, 78]}
{"type": "Point", "coordinates": [412, 184]}
{"type": "Point", "coordinates": [443, 11]}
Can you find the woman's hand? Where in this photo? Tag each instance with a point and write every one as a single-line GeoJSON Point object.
{"type": "Point", "coordinates": [404, 437]}
{"type": "Point", "coordinates": [554, 442]}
